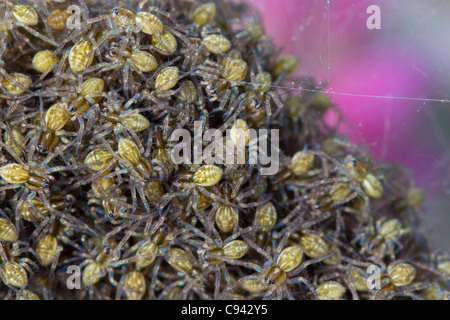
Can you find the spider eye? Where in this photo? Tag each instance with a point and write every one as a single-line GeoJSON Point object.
{"type": "Point", "coordinates": [107, 250]}
{"type": "Point", "coordinates": [45, 183]}
{"type": "Point", "coordinates": [68, 200]}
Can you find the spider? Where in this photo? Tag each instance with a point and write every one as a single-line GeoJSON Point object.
{"type": "Point", "coordinates": [183, 261]}
{"type": "Point", "coordinates": [34, 180]}
{"type": "Point", "coordinates": [386, 237]}
{"type": "Point", "coordinates": [14, 139]}
{"type": "Point", "coordinates": [107, 195]}
{"type": "Point", "coordinates": [14, 274]}
{"type": "Point", "coordinates": [121, 20]}
{"type": "Point", "coordinates": [263, 93]}
{"type": "Point", "coordinates": [19, 15]}
{"type": "Point", "coordinates": [190, 105]}
{"type": "Point", "coordinates": [205, 42]}
{"type": "Point", "coordinates": [128, 59]}
{"type": "Point", "coordinates": [98, 259]}
{"type": "Point", "coordinates": [87, 94]}
{"type": "Point", "coordinates": [437, 263]}
{"type": "Point", "coordinates": [140, 169]}
{"type": "Point", "coordinates": [47, 135]}
{"type": "Point", "coordinates": [355, 278]}
{"type": "Point", "coordinates": [347, 172]}
{"type": "Point", "coordinates": [278, 273]}
{"type": "Point", "coordinates": [33, 210]}
{"type": "Point", "coordinates": [214, 253]}
{"type": "Point", "coordinates": [228, 200]}
{"type": "Point", "coordinates": [116, 119]}
{"type": "Point", "coordinates": [101, 256]}
{"type": "Point", "coordinates": [56, 119]}
{"type": "Point", "coordinates": [221, 80]}
{"type": "Point", "coordinates": [155, 242]}
{"type": "Point", "coordinates": [162, 150]}
{"type": "Point", "coordinates": [7, 80]}
{"type": "Point", "coordinates": [166, 78]}
{"type": "Point", "coordinates": [133, 285]}
{"type": "Point", "coordinates": [49, 235]}
{"type": "Point", "coordinates": [250, 35]}
{"type": "Point", "coordinates": [397, 281]}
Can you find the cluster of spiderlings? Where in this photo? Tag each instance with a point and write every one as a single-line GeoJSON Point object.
{"type": "Point", "coordinates": [88, 182]}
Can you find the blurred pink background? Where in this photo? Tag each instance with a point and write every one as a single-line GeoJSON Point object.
{"type": "Point", "coordinates": [387, 82]}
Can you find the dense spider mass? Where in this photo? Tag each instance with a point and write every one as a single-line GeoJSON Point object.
{"type": "Point", "coordinates": [88, 181]}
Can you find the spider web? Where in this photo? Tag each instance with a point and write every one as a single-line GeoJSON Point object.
{"type": "Point", "coordinates": [389, 83]}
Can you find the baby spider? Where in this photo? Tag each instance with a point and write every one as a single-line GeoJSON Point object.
{"type": "Point", "coordinates": [190, 185]}
{"type": "Point", "coordinates": [388, 233]}
{"type": "Point", "coordinates": [141, 170]}
{"type": "Point", "coordinates": [278, 274]}
{"type": "Point", "coordinates": [209, 42]}
{"type": "Point", "coordinates": [100, 257]}
{"type": "Point", "coordinates": [14, 274]}
{"type": "Point", "coordinates": [284, 67]}
{"type": "Point", "coordinates": [228, 201]}
{"type": "Point", "coordinates": [187, 268]}
{"type": "Point", "coordinates": [14, 139]}
{"type": "Point", "coordinates": [34, 210]}
{"type": "Point", "coordinates": [396, 282]}
{"type": "Point", "coordinates": [249, 36]}
{"type": "Point", "coordinates": [50, 236]}
{"type": "Point", "coordinates": [56, 118]}
{"type": "Point", "coordinates": [263, 93]}
{"type": "Point", "coordinates": [128, 59]}
{"type": "Point", "coordinates": [90, 92]}
{"type": "Point", "coordinates": [162, 148]}
{"type": "Point", "coordinates": [116, 119]}
{"type": "Point", "coordinates": [133, 285]}
{"type": "Point", "coordinates": [30, 176]}
{"type": "Point", "coordinates": [154, 244]}
{"type": "Point", "coordinates": [107, 195]}
{"type": "Point", "coordinates": [97, 262]}
{"type": "Point", "coordinates": [15, 83]}
{"type": "Point", "coordinates": [190, 105]}
{"type": "Point", "coordinates": [214, 253]}
{"type": "Point", "coordinates": [357, 171]}
{"type": "Point", "coordinates": [20, 15]}
{"type": "Point", "coordinates": [165, 79]}
{"type": "Point", "coordinates": [121, 20]}
{"type": "Point", "coordinates": [222, 79]}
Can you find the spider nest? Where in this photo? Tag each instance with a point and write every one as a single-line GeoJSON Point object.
{"type": "Point", "coordinates": [89, 185]}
